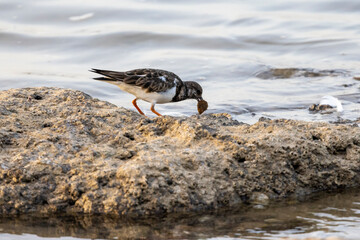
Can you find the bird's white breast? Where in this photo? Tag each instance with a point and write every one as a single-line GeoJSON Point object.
{"type": "Point", "coordinates": [152, 97]}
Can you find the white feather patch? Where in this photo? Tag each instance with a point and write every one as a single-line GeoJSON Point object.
{"type": "Point", "coordinates": [151, 97]}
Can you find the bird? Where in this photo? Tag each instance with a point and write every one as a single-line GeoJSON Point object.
{"type": "Point", "coordinates": [155, 86]}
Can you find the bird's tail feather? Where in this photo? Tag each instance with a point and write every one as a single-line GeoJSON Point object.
{"type": "Point", "coordinates": [108, 75]}
{"type": "Point", "coordinates": [103, 79]}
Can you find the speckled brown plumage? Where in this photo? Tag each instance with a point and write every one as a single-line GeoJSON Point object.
{"type": "Point", "coordinates": [153, 81]}
{"type": "Point", "coordinates": [146, 78]}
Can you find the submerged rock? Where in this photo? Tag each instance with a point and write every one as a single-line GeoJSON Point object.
{"type": "Point", "coordinates": [281, 73]}
{"type": "Point", "coordinates": [328, 104]}
{"type": "Point", "coordinates": [63, 151]}
{"type": "Point", "coordinates": [313, 238]}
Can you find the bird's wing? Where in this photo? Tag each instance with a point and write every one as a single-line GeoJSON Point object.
{"type": "Point", "coordinates": [152, 80]}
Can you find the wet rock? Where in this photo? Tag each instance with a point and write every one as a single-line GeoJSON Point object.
{"type": "Point", "coordinates": [259, 198]}
{"type": "Point", "coordinates": [318, 107]}
{"type": "Point", "coordinates": [281, 73]}
{"type": "Point", "coordinates": [328, 104]}
{"type": "Point", "coordinates": [313, 238]}
{"type": "Point", "coordinates": [68, 152]}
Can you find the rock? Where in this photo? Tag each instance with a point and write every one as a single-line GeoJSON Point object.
{"type": "Point", "coordinates": [328, 104]}
{"type": "Point", "coordinates": [319, 107]}
{"type": "Point", "coordinates": [281, 73]}
{"type": "Point", "coordinates": [259, 198]}
{"type": "Point", "coordinates": [327, 238]}
{"type": "Point", "coordinates": [61, 151]}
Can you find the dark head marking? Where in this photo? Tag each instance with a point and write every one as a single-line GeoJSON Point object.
{"type": "Point", "coordinates": [194, 90]}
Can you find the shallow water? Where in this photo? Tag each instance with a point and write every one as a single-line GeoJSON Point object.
{"type": "Point", "coordinates": [240, 51]}
{"type": "Point", "coordinates": [321, 215]}
{"type": "Point", "coordinates": [253, 58]}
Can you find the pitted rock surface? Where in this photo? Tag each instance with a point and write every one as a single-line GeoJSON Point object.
{"type": "Point", "coordinates": [62, 151]}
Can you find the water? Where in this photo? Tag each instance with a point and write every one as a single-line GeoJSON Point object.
{"type": "Point", "coordinates": [231, 47]}
{"type": "Point", "coordinates": [253, 58]}
{"type": "Point", "coordinates": [321, 215]}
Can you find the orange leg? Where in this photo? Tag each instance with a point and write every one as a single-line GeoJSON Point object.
{"type": "Point", "coordinates": [153, 110]}
{"type": "Point", "coordinates": [136, 106]}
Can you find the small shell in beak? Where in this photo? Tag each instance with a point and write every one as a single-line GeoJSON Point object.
{"type": "Point", "coordinates": [202, 106]}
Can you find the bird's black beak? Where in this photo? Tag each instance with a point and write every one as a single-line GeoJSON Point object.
{"type": "Point", "coordinates": [199, 99]}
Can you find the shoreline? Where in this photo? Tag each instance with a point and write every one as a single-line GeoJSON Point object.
{"type": "Point", "coordinates": [64, 152]}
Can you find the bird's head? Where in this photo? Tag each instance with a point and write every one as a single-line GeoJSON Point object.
{"type": "Point", "coordinates": [194, 90]}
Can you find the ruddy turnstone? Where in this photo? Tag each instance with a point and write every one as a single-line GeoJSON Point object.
{"type": "Point", "coordinates": [154, 86]}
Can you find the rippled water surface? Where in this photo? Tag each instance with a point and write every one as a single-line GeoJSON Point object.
{"type": "Point", "coordinates": [240, 51]}
{"type": "Point", "coordinates": [335, 214]}
{"type": "Point", "coordinates": [253, 58]}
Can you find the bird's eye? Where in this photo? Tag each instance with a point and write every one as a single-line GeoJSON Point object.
{"type": "Point", "coordinates": [198, 92]}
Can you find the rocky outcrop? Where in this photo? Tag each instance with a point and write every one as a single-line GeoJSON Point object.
{"type": "Point", "coordinates": [63, 151]}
